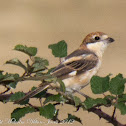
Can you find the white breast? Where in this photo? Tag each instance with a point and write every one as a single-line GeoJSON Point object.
{"type": "Point", "coordinates": [79, 81]}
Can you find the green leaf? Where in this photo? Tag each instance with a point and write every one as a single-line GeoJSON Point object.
{"type": "Point", "coordinates": [39, 64]}
{"type": "Point", "coordinates": [43, 61]}
{"type": "Point", "coordinates": [122, 107]}
{"type": "Point", "coordinates": [31, 51]}
{"type": "Point", "coordinates": [99, 85]}
{"type": "Point", "coordinates": [10, 77]}
{"type": "Point", "coordinates": [59, 49]}
{"type": "Point", "coordinates": [17, 96]}
{"type": "Point", "coordinates": [1, 75]}
{"type": "Point", "coordinates": [109, 99]}
{"type": "Point", "coordinates": [39, 95]}
{"type": "Point", "coordinates": [1, 72]}
{"type": "Point", "coordinates": [90, 102]}
{"type": "Point", "coordinates": [62, 85]}
{"type": "Point", "coordinates": [37, 67]}
{"type": "Point", "coordinates": [20, 112]}
{"type": "Point", "coordinates": [122, 98]}
{"type": "Point", "coordinates": [71, 119]}
{"type": "Point", "coordinates": [100, 101]}
{"type": "Point", "coordinates": [56, 98]}
{"type": "Point", "coordinates": [13, 84]}
{"type": "Point", "coordinates": [48, 111]}
{"type": "Point", "coordinates": [77, 100]}
{"type": "Point", "coordinates": [117, 85]}
{"type": "Point", "coordinates": [17, 62]}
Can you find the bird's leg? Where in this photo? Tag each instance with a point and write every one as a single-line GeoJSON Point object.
{"type": "Point", "coordinates": [40, 100]}
{"type": "Point", "coordinates": [78, 91]}
{"type": "Point", "coordinates": [86, 96]}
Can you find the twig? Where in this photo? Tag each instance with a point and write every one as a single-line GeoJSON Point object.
{"type": "Point", "coordinates": [60, 60]}
{"type": "Point", "coordinates": [35, 107]}
{"type": "Point", "coordinates": [5, 96]}
{"type": "Point", "coordinates": [7, 89]}
{"type": "Point", "coordinates": [105, 116]}
{"type": "Point", "coordinates": [113, 114]}
{"type": "Point", "coordinates": [98, 112]}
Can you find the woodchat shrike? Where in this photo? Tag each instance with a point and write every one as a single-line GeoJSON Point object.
{"type": "Point", "coordinates": [77, 69]}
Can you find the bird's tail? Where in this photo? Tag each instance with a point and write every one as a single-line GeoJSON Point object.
{"type": "Point", "coordinates": [32, 93]}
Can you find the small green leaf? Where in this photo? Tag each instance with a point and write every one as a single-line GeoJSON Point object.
{"type": "Point", "coordinates": [90, 102]}
{"type": "Point", "coordinates": [37, 67]}
{"type": "Point", "coordinates": [71, 119]}
{"type": "Point", "coordinates": [13, 84]}
{"type": "Point", "coordinates": [56, 98]}
{"type": "Point", "coordinates": [122, 98]}
{"type": "Point", "coordinates": [39, 64]}
{"type": "Point", "coordinates": [17, 96]}
{"type": "Point", "coordinates": [117, 85]}
{"type": "Point", "coordinates": [1, 72]}
{"type": "Point", "coordinates": [99, 85]}
{"type": "Point", "coordinates": [10, 77]}
{"type": "Point", "coordinates": [20, 112]}
{"type": "Point", "coordinates": [48, 111]}
{"type": "Point", "coordinates": [43, 61]}
{"type": "Point", "coordinates": [17, 62]}
{"type": "Point", "coordinates": [59, 49]}
{"type": "Point", "coordinates": [122, 107]}
{"type": "Point", "coordinates": [100, 101]}
{"type": "Point", "coordinates": [62, 85]}
{"type": "Point", "coordinates": [109, 99]}
{"type": "Point", "coordinates": [1, 75]}
{"type": "Point", "coordinates": [31, 51]}
{"type": "Point", "coordinates": [77, 100]}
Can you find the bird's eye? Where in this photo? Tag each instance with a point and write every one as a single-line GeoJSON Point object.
{"type": "Point", "coordinates": [97, 38]}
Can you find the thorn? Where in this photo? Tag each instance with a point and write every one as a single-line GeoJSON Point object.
{"type": "Point", "coordinates": [77, 108]}
{"type": "Point", "coordinates": [100, 117]}
{"type": "Point", "coordinates": [108, 122]}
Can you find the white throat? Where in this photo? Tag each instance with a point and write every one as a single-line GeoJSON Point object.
{"type": "Point", "coordinates": [98, 47]}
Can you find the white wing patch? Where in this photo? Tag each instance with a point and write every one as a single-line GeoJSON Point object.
{"type": "Point", "coordinates": [84, 55]}
{"type": "Point", "coordinates": [73, 73]}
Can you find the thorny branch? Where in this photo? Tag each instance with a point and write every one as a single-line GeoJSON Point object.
{"type": "Point", "coordinates": [111, 119]}
{"type": "Point", "coordinates": [94, 110]}
{"type": "Point", "coordinates": [105, 116]}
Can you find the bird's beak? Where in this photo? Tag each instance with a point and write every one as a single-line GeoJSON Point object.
{"type": "Point", "coordinates": [110, 40]}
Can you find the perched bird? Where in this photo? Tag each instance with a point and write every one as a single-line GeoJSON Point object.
{"type": "Point", "coordinates": [77, 68]}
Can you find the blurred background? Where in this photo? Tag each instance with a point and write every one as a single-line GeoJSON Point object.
{"type": "Point", "coordinates": [42, 22]}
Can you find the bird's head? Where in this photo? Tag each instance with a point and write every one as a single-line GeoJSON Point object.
{"type": "Point", "coordinates": [96, 42]}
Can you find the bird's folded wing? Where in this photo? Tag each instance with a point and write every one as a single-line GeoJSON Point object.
{"type": "Point", "coordinates": [76, 62]}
